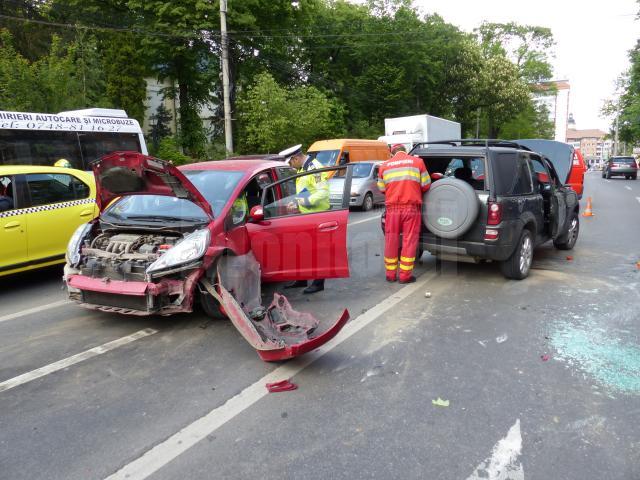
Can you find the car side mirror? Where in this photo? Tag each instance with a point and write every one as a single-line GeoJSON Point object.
{"type": "Point", "coordinates": [545, 187]}
{"type": "Point", "coordinates": [256, 214]}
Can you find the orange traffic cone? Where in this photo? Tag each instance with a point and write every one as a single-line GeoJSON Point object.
{"type": "Point", "coordinates": [588, 212]}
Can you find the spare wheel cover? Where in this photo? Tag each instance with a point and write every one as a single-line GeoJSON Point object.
{"type": "Point", "coordinates": [449, 208]}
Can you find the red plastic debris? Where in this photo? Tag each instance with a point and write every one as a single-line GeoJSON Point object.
{"type": "Point", "coordinates": [544, 358]}
{"type": "Point", "coordinates": [281, 386]}
{"type": "Point", "coordinates": [569, 257]}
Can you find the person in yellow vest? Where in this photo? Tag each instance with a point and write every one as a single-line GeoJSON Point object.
{"type": "Point", "coordinates": [312, 195]}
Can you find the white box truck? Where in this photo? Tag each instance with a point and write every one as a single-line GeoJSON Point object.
{"type": "Point", "coordinates": [409, 131]}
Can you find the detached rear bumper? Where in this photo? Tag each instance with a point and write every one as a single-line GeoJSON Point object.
{"type": "Point", "coordinates": [165, 297]}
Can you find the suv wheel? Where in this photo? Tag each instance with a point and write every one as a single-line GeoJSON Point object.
{"type": "Point", "coordinates": [568, 241]}
{"type": "Point", "coordinates": [518, 265]}
{"type": "Point", "coordinates": [367, 203]}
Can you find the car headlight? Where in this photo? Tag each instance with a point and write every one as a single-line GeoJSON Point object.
{"type": "Point", "coordinates": [75, 242]}
{"type": "Point", "coordinates": [191, 248]}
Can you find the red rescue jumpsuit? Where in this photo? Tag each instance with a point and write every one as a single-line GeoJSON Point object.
{"type": "Point", "coordinates": [403, 179]}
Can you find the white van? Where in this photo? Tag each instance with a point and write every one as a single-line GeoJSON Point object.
{"type": "Point", "coordinates": [80, 136]}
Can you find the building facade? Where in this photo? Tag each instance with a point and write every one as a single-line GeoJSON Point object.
{"type": "Point", "coordinates": [591, 142]}
{"type": "Point", "coordinates": [555, 96]}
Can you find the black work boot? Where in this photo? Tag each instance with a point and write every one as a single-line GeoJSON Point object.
{"type": "Point", "coordinates": [296, 284]}
{"type": "Point", "coordinates": [316, 286]}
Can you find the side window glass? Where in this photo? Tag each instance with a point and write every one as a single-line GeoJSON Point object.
{"type": "Point", "coordinates": [47, 188]}
{"type": "Point", "coordinates": [309, 193]}
{"type": "Point", "coordinates": [6, 194]}
{"type": "Point", "coordinates": [512, 176]}
{"type": "Point", "coordinates": [540, 172]}
{"type": "Point", "coordinates": [522, 182]}
{"type": "Point", "coordinates": [80, 189]}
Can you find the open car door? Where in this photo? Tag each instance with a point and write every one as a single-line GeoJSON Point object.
{"type": "Point", "coordinates": [558, 203]}
{"type": "Point", "coordinates": [299, 232]}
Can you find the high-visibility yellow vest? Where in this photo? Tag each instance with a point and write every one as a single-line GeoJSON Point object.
{"type": "Point", "coordinates": [312, 191]}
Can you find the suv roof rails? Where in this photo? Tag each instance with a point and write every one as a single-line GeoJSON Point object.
{"type": "Point", "coordinates": [475, 142]}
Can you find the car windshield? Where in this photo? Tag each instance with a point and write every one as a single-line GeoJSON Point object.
{"type": "Point", "coordinates": [325, 157]}
{"type": "Point", "coordinates": [360, 170]}
{"type": "Point", "coordinates": [215, 185]}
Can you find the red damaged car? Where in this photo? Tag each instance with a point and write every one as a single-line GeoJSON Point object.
{"type": "Point", "coordinates": [207, 232]}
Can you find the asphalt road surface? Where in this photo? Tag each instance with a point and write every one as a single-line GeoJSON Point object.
{"type": "Point", "coordinates": [537, 379]}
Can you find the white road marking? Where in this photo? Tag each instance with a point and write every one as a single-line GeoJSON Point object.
{"type": "Point", "coordinates": [165, 452]}
{"type": "Point", "coordinates": [504, 462]}
{"type": "Point", "coordinates": [628, 187]}
{"type": "Point", "coordinates": [67, 362]}
{"type": "Point", "coordinates": [29, 311]}
{"type": "Point", "coordinates": [366, 220]}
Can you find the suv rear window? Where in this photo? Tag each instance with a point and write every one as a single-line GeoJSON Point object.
{"type": "Point", "coordinates": [626, 160]}
{"type": "Point", "coordinates": [511, 174]}
{"type": "Point", "coordinates": [469, 169]}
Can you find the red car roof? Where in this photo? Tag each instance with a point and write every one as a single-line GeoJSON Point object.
{"type": "Point", "coordinates": [250, 167]}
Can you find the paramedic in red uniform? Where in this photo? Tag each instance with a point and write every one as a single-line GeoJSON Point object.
{"type": "Point", "coordinates": [403, 179]}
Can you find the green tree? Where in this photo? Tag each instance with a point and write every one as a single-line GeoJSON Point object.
{"type": "Point", "coordinates": [503, 95]}
{"type": "Point", "coordinates": [17, 78]}
{"type": "Point", "coordinates": [528, 46]}
{"type": "Point", "coordinates": [125, 72]}
{"type": "Point", "coordinates": [273, 117]}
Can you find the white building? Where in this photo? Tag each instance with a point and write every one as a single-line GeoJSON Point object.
{"type": "Point", "coordinates": [556, 97]}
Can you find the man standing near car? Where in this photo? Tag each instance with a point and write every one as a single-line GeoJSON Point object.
{"type": "Point", "coordinates": [312, 195]}
{"type": "Point", "coordinates": [402, 179]}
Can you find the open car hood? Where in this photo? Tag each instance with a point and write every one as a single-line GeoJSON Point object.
{"type": "Point", "coordinates": [132, 173]}
{"type": "Point", "coordinates": [560, 154]}
{"type": "Point", "coordinates": [277, 332]}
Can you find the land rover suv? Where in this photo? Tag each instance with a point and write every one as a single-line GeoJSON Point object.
{"type": "Point", "coordinates": [494, 200]}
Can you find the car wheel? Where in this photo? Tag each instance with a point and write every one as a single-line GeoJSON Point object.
{"type": "Point", "coordinates": [210, 305]}
{"type": "Point", "coordinates": [568, 241]}
{"type": "Point", "coordinates": [518, 265]}
{"type": "Point", "coordinates": [367, 203]}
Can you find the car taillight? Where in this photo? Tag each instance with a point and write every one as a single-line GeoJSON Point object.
{"type": "Point", "coordinates": [495, 213]}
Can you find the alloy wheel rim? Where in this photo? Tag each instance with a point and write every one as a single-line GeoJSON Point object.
{"type": "Point", "coordinates": [573, 230]}
{"type": "Point", "coordinates": [526, 254]}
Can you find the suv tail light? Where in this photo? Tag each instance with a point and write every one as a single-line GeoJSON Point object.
{"type": "Point", "coordinates": [495, 213]}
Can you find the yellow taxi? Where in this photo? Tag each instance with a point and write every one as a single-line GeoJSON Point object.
{"type": "Point", "coordinates": [40, 208]}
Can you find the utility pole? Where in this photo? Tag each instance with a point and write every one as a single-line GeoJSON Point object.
{"type": "Point", "coordinates": [615, 144]}
{"type": "Point", "coordinates": [228, 132]}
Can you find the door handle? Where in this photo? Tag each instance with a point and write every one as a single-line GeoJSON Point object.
{"type": "Point", "coordinates": [86, 213]}
{"type": "Point", "coordinates": [11, 225]}
{"type": "Point", "coordinates": [328, 226]}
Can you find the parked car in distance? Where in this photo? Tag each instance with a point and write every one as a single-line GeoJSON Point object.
{"type": "Point", "coordinates": [163, 233]}
{"type": "Point", "coordinates": [501, 216]}
{"type": "Point", "coordinates": [364, 186]}
{"type": "Point", "coordinates": [622, 167]}
{"type": "Point", "coordinates": [40, 207]}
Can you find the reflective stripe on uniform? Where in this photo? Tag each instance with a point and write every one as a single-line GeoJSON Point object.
{"type": "Point", "coordinates": [390, 260]}
{"type": "Point", "coordinates": [402, 172]}
{"type": "Point", "coordinates": [425, 179]}
{"type": "Point", "coordinates": [406, 268]}
{"type": "Point", "coordinates": [407, 259]}
{"type": "Point", "coordinates": [381, 186]}
{"type": "Point", "coordinates": [392, 267]}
